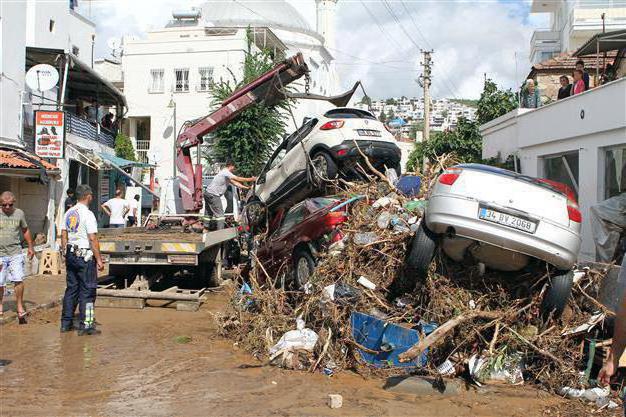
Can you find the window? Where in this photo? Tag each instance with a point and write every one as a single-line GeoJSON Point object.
{"type": "Point", "coordinates": [182, 80]}
{"type": "Point", "coordinates": [563, 168]}
{"type": "Point", "coordinates": [156, 77]}
{"type": "Point", "coordinates": [51, 26]}
{"type": "Point", "coordinates": [206, 77]}
{"type": "Point", "coordinates": [297, 136]}
{"type": "Point", "coordinates": [614, 171]}
{"type": "Point", "coordinates": [75, 50]}
{"type": "Point", "coordinates": [293, 217]}
{"type": "Point", "coordinates": [278, 159]}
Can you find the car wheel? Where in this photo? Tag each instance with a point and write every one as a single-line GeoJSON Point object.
{"type": "Point", "coordinates": [207, 275]}
{"type": "Point", "coordinates": [303, 267]}
{"type": "Point", "coordinates": [324, 167]}
{"type": "Point", "coordinates": [417, 263]}
{"type": "Point", "coordinates": [255, 213]}
{"type": "Point", "coordinates": [556, 296]}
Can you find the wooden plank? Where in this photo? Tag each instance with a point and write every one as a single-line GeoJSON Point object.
{"type": "Point", "coordinates": [118, 302]}
{"type": "Point", "coordinates": [187, 306]}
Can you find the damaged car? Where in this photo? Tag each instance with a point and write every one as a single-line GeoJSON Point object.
{"type": "Point", "coordinates": [324, 147]}
{"type": "Point", "coordinates": [504, 220]}
{"type": "Point", "coordinates": [296, 237]}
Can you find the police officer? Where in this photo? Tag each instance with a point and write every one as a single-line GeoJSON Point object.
{"type": "Point", "coordinates": [82, 255]}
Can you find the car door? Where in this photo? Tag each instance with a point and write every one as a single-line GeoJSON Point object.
{"type": "Point", "coordinates": [286, 237]}
{"type": "Point", "coordinates": [271, 177]}
{"type": "Point", "coordinates": [295, 163]}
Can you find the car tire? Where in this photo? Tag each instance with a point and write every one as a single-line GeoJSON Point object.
{"type": "Point", "coordinates": [557, 294]}
{"type": "Point", "coordinates": [417, 263]}
{"type": "Point", "coordinates": [323, 162]}
{"type": "Point", "coordinates": [255, 213]}
{"type": "Point", "coordinates": [303, 267]}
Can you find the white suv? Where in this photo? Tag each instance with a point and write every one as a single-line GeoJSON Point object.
{"type": "Point", "coordinates": [330, 143]}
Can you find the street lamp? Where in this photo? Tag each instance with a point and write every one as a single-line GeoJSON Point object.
{"type": "Point", "coordinates": [172, 105]}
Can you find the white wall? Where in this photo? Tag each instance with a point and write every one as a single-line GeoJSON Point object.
{"type": "Point", "coordinates": [12, 58]}
{"type": "Point", "coordinates": [558, 128]}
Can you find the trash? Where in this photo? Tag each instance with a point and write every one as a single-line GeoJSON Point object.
{"type": "Point", "coordinates": [586, 327]}
{"type": "Point", "coordinates": [384, 202]}
{"type": "Point", "coordinates": [384, 220]}
{"type": "Point", "coordinates": [416, 206]}
{"type": "Point", "coordinates": [336, 248]}
{"type": "Point", "coordinates": [399, 225]}
{"type": "Point", "coordinates": [391, 175]}
{"type": "Point", "coordinates": [328, 371]}
{"type": "Point", "coordinates": [299, 339]}
{"type": "Point", "coordinates": [372, 333]}
{"type": "Point", "coordinates": [423, 385]}
{"type": "Point", "coordinates": [274, 383]}
{"type": "Point", "coordinates": [413, 220]}
{"type": "Point", "coordinates": [504, 368]}
{"type": "Point", "coordinates": [590, 394]}
{"type": "Point", "coordinates": [446, 368]}
{"type": "Point", "coordinates": [472, 304]}
{"type": "Point", "coordinates": [409, 185]}
{"type": "Point", "coordinates": [366, 283]}
{"type": "Point", "coordinates": [365, 238]}
{"type": "Point", "coordinates": [308, 288]}
{"type": "Point", "coordinates": [341, 292]}
{"type": "Point", "coordinates": [335, 401]}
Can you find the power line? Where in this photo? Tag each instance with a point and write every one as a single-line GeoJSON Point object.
{"type": "Point", "coordinates": [394, 17]}
{"type": "Point", "coordinates": [380, 27]}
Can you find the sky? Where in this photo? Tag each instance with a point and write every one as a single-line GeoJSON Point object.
{"type": "Point", "coordinates": [379, 42]}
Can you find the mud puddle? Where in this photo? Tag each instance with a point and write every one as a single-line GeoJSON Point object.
{"type": "Point", "coordinates": [143, 364]}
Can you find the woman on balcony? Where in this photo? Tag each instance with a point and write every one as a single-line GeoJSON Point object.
{"type": "Point", "coordinates": [530, 95]}
{"type": "Point", "coordinates": [579, 84]}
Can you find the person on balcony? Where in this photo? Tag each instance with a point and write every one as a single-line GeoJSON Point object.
{"type": "Point", "coordinates": [580, 66]}
{"type": "Point", "coordinates": [530, 95]}
{"type": "Point", "coordinates": [566, 88]}
{"type": "Point", "coordinates": [579, 84]}
{"type": "Point", "coordinates": [107, 121]}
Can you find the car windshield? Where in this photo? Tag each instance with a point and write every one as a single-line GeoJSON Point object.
{"type": "Point", "coordinates": [349, 114]}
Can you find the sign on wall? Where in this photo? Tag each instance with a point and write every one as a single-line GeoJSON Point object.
{"type": "Point", "coordinates": [49, 134]}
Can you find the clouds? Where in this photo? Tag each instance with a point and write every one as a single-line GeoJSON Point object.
{"type": "Point", "coordinates": [470, 39]}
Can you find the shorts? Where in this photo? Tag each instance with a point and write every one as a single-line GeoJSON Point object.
{"type": "Point", "coordinates": [12, 268]}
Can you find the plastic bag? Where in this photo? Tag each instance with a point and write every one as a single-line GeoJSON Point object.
{"type": "Point", "coordinates": [299, 339]}
{"type": "Point", "coordinates": [608, 221]}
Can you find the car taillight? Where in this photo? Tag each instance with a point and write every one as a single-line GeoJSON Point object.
{"type": "Point", "coordinates": [335, 218]}
{"type": "Point", "coordinates": [573, 211]}
{"type": "Point", "coordinates": [342, 152]}
{"type": "Point", "coordinates": [333, 124]}
{"type": "Point", "coordinates": [450, 176]}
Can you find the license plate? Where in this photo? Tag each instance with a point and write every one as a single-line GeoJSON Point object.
{"type": "Point", "coordinates": [368, 132]}
{"type": "Point", "coordinates": [507, 220]}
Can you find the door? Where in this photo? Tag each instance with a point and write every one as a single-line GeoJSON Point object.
{"type": "Point", "coordinates": [286, 237]}
{"type": "Point", "coordinates": [271, 178]}
{"type": "Point", "coordinates": [294, 167]}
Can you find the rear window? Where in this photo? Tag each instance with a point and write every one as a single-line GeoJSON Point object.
{"type": "Point", "coordinates": [321, 202]}
{"type": "Point", "coordinates": [349, 114]}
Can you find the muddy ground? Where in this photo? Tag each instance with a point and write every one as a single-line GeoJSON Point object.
{"type": "Point", "coordinates": [138, 367]}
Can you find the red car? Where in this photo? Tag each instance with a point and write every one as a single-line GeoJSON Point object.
{"type": "Point", "coordinates": [298, 235]}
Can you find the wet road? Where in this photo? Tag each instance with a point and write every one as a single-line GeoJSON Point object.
{"type": "Point", "coordinates": [137, 368]}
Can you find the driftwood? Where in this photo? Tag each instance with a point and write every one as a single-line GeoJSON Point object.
{"type": "Point", "coordinates": [441, 331]}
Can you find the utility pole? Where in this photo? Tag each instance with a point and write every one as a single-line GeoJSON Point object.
{"type": "Point", "coordinates": [425, 80]}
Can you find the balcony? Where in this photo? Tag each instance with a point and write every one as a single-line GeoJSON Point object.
{"type": "Point", "coordinates": [85, 129]}
{"type": "Point", "coordinates": [544, 41]}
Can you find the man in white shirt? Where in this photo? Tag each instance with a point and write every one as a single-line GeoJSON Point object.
{"type": "Point", "coordinates": [133, 206]}
{"type": "Point", "coordinates": [216, 189]}
{"type": "Point", "coordinates": [116, 208]}
{"type": "Point", "coordinates": [80, 246]}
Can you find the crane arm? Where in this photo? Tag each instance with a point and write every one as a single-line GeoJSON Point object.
{"type": "Point", "coordinates": [265, 89]}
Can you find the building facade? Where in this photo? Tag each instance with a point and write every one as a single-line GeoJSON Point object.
{"type": "Point", "coordinates": [572, 23]}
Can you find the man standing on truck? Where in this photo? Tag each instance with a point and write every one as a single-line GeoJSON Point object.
{"type": "Point", "coordinates": [216, 189]}
{"type": "Point", "coordinates": [116, 208]}
{"type": "Point", "coordinates": [79, 244]}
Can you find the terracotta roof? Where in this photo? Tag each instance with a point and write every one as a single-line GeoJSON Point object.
{"type": "Point", "coordinates": [566, 61]}
{"type": "Point", "coordinates": [12, 158]}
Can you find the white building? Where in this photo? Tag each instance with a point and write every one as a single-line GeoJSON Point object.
{"type": "Point", "coordinates": [168, 71]}
{"type": "Point", "coordinates": [572, 23]}
{"type": "Point", "coordinates": [579, 141]}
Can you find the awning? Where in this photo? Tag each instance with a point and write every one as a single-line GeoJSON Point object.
{"type": "Point", "coordinates": [82, 81]}
{"type": "Point", "coordinates": [603, 42]}
{"type": "Point", "coordinates": [123, 163]}
{"type": "Point", "coordinates": [19, 163]}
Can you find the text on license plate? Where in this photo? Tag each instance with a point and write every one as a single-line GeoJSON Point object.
{"type": "Point", "coordinates": [507, 220]}
{"type": "Point", "coordinates": [368, 132]}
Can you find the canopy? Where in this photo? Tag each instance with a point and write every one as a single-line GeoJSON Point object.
{"type": "Point", "coordinates": [603, 42]}
{"type": "Point", "coordinates": [123, 163]}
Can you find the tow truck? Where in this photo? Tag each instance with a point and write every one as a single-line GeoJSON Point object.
{"type": "Point", "coordinates": [141, 258]}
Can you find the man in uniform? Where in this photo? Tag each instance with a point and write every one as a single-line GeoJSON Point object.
{"type": "Point", "coordinates": [12, 226]}
{"type": "Point", "coordinates": [82, 255]}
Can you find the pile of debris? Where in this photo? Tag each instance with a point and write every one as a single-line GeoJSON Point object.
{"type": "Point", "coordinates": [462, 321]}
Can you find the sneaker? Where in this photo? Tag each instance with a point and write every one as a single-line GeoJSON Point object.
{"type": "Point", "coordinates": [88, 332]}
{"type": "Point", "coordinates": [66, 329]}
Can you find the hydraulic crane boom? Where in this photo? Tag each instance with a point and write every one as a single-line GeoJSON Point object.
{"type": "Point", "coordinates": [265, 89]}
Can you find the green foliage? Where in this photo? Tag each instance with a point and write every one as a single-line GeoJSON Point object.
{"type": "Point", "coordinates": [465, 141]}
{"type": "Point", "coordinates": [382, 117]}
{"type": "Point", "coordinates": [124, 147]}
{"type": "Point", "coordinates": [465, 101]}
{"type": "Point", "coordinates": [391, 101]}
{"type": "Point", "coordinates": [249, 139]}
{"type": "Point", "coordinates": [367, 100]}
{"type": "Point", "coordinates": [391, 115]}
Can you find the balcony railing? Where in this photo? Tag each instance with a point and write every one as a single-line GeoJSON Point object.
{"type": "Point", "coordinates": [88, 130]}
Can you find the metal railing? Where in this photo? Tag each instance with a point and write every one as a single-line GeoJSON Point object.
{"type": "Point", "coordinates": [88, 130]}
{"type": "Point", "coordinates": [142, 147]}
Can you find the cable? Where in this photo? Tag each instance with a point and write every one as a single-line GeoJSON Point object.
{"type": "Point", "coordinates": [380, 27]}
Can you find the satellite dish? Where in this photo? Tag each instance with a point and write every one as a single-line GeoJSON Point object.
{"type": "Point", "coordinates": [42, 77]}
{"type": "Point", "coordinates": [114, 45]}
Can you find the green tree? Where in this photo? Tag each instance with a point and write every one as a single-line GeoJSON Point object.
{"type": "Point", "coordinates": [465, 141]}
{"type": "Point", "coordinates": [124, 147]}
{"type": "Point", "coordinates": [391, 101]}
{"type": "Point", "coordinates": [391, 115]}
{"type": "Point", "coordinates": [382, 117]}
{"type": "Point", "coordinates": [367, 100]}
{"type": "Point", "coordinates": [248, 140]}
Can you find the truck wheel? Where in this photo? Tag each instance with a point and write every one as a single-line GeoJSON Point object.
{"type": "Point", "coordinates": [208, 275]}
{"type": "Point", "coordinates": [556, 296]}
{"type": "Point", "coordinates": [417, 263]}
{"type": "Point", "coordinates": [324, 167]}
{"type": "Point", "coordinates": [303, 267]}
